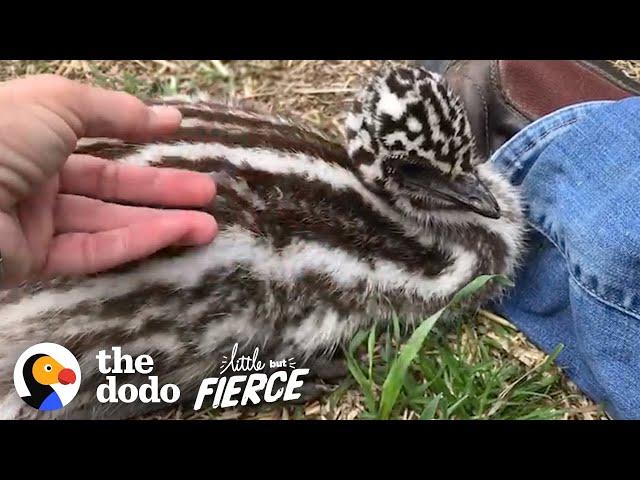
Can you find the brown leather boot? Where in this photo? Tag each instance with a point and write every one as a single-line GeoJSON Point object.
{"type": "Point", "coordinates": [503, 96]}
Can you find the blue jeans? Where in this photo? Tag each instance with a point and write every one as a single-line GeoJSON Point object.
{"type": "Point", "coordinates": [579, 170]}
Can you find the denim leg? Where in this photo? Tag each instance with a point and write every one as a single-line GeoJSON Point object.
{"type": "Point", "coordinates": [579, 170]}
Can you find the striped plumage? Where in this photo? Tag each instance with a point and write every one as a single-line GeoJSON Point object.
{"type": "Point", "coordinates": [313, 244]}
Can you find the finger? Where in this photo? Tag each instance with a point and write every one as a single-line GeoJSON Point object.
{"type": "Point", "coordinates": [107, 180]}
{"type": "Point", "coordinates": [96, 112]}
{"type": "Point", "coordinates": [74, 213]}
{"type": "Point", "coordinates": [107, 113]}
{"type": "Point", "coordinates": [16, 258]}
{"type": "Point", "coordinates": [85, 253]}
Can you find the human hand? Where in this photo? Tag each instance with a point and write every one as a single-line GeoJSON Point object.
{"type": "Point", "coordinates": [55, 212]}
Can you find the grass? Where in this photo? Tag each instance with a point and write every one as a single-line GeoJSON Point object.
{"type": "Point", "coordinates": [427, 378]}
{"type": "Point", "coordinates": [445, 381]}
{"type": "Point", "coordinates": [478, 367]}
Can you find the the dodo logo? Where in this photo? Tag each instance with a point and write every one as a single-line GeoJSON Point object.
{"type": "Point", "coordinates": [47, 376]}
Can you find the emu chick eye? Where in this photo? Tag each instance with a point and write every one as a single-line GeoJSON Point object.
{"type": "Point", "coordinates": [410, 169]}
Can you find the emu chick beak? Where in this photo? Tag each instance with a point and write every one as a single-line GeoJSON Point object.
{"type": "Point", "coordinates": [465, 190]}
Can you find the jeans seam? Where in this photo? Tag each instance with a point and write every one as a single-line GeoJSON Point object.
{"type": "Point", "coordinates": [536, 141]}
{"type": "Point", "coordinates": [601, 298]}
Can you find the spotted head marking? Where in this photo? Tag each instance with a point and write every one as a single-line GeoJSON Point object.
{"type": "Point", "coordinates": [409, 133]}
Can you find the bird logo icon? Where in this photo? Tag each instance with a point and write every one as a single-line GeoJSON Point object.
{"type": "Point", "coordinates": [47, 376]}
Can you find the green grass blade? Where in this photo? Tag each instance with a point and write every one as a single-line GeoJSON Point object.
{"type": "Point", "coordinates": [363, 381]}
{"type": "Point", "coordinates": [356, 341]}
{"type": "Point", "coordinates": [395, 378]}
{"type": "Point", "coordinates": [371, 345]}
{"type": "Point", "coordinates": [396, 327]}
{"type": "Point", "coordinates": [452, 409]}
{"type": "Point", "coordinates": [387, 352]}
{"type": "Point", "coordinates": [393, 383]}
{"type": "Point", "coordinates": [476, 284]}
{"type": "Point", "coordinates": [430, 409]}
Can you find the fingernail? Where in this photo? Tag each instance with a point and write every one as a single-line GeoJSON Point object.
{"type": "Point", "coordinates": [164, 117]}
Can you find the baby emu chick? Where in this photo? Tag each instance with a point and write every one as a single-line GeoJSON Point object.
{"type": "Point", "coordinates": [315, 242]}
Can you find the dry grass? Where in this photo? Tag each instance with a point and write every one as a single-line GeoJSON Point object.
{"type": "Point", "coordinates": [631, 68]}
{"type": "Point", "coordinates": [319, 92]}
{"type": "Point", "coordinates": [316, 91]}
